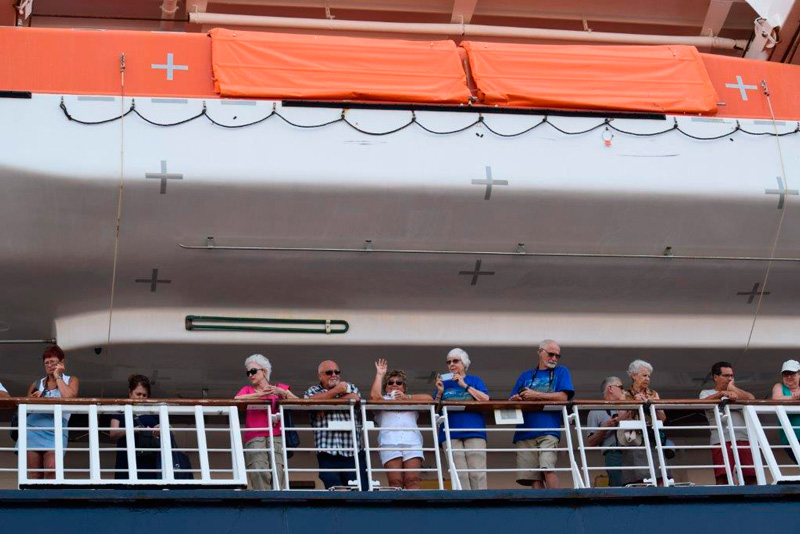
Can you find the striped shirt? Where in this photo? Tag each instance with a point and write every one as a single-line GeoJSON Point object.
{"type": "Point", "coordinates": [336, 442]}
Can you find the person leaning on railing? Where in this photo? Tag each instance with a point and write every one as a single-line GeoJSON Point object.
{"type": "Point", "coordinates": [258, 370]}
{"type": "Point", "coordinates": [392, 386]}
{"type": "Point", "coordinates": [56, 384]}
{"type": "Point", "coordinates": [335, 448]}
{"type": "Point", "coordinates": [613, 390]}
{"type": "Point", "coordinates": [640, 372]}
{"type": "Point", "coordinates": [789, 389]}
{"type": "Point", "coordinates": [538, 435]}
{"type": "Point", "coordinates": [724, 388]}
{"type": "Point", "coordinates": [147, 462]}
{"type": "Point", "coordinates": [469, 445]}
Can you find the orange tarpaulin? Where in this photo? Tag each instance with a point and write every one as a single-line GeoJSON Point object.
{"type": "Point", "coordinates": [664, 79]}
{"type": "Point", "coordinates": [282, 66]}
{"type": "Point", "coordinates": [87, 62]}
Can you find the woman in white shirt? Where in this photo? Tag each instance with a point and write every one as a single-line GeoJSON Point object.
{"type": "Point", "coordinates": [401, 428]}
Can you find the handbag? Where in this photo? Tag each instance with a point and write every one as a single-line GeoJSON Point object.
{"type": "Point", "coordinates": [629, 438]}
{"type": "Point", "coordinates": [292, 437]}
{"type": "Point", "coordinates": [14, 427]}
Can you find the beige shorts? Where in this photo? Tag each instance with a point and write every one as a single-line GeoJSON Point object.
{"type": "Point", "coordinates": [538, 458]}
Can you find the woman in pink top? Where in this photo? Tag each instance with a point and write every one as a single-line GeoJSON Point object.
{"type": "Point", "coordinates": [256, 441]}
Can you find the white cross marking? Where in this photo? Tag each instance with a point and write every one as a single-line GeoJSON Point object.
{"type": "Point", "coordinates": [170, 67]}
{"type": "Point", "coordinates": [741, 87]}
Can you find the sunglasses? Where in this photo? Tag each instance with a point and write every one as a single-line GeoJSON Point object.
{"type": "Point", "coordinates": [331, 372]}
{"type": "Point", "coordinates": [449, 362]}
{"type": "Point", "coordinates": [394, 383]}
{"type": "Point", "coordinates": [252, 372]}
{"type": "Point", "coordinates": [555, 355]}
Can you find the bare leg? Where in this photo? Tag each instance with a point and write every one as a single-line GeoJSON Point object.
{"type": "Point", "coordinates": [411, 479]}
{"type": "Point", "coordinates": [551, 479]}
{"type": "Point", "coordinates": [395, 478]}
{"type": "Point", "coordinates": [537, 484]}
{"type": "Point", "coordinates": [50, 464]}
{"type": "Point", "coordinates": [34, 464]}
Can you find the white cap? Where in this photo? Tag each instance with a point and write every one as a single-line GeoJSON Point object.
{"type": "Point", "coordinates": [792, 366]}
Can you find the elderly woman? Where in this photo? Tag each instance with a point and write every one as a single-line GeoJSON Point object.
{"type": "Point", "coordinates": [147, 462]}
{"type": "Point", "coordinates": [258, 370]}
{"type": "Point", "coordinates": [789, 389]}
{"type": "Point", "coordinates": [640, 372]}
{"type": "Point", "coordinates": [56, 384]}
{"type": "Point", "coordinates": [401, 428]}
{"type": "Point", "coordinates": [459, 386]}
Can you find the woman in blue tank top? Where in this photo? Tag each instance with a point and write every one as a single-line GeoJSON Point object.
{"type": "Point", "coordinates": [789, 389]}
{"type": "Point", "coordinates": [41, 432]}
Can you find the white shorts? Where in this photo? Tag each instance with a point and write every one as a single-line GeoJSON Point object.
{"type": "Point", "coordinates": [386, 456]}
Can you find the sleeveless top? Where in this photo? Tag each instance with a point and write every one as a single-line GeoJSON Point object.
{"type": "Point", "coordinates": [794, 419]}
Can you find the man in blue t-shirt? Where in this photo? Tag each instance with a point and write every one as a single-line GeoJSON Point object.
{"type": "Point", "coordinates": [540, 432]}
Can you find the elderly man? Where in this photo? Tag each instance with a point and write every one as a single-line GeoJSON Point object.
{"type": "Point", "coordinates": [335, 447]}
{"type": "Point", "coordinates": [722, 374]}
{"type": "Point", "coordinates": [598, 421]}
{"type": "Point", "coordinates": [539, 434]}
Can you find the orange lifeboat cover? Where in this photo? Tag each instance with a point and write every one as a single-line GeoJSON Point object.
{"type": "Point", "coordinates": [312, 67]}
{"type": "Point", "coordinates": [663, 79]}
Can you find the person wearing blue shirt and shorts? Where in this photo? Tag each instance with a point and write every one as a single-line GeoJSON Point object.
{"type": "Point", "coordinates": [539, 433]}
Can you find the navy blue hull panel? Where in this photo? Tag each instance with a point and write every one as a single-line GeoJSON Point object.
{"type": "Point", "coordinates": [650, 511]}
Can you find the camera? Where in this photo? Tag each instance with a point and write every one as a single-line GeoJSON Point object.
{"type": "Point", "coordinates": [446, 376]}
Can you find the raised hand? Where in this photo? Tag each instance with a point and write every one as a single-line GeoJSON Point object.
{"type": "Point", "coordinates": [381, 367]}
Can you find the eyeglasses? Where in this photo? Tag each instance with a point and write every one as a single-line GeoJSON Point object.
{"type": "Point", "coordinates": [394, 383]}
{"type": "Point", "coordinates": [450, 362]}
{"type": "Point", "coordinates": [331, 372]}
{"type": "Point", "coordinates": [252, 372]}
{"type": "Point", "coordinates": [789, 373]}
{"type": "Point", "coordinates": [727, 375]}
{"type": "Point", "coordinates": [555, 355]}
{"type": "Point", "coordinates": [620, 386]}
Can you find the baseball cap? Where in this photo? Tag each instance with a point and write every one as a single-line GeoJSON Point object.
{"type": "Point", "coordinates": [792, 366]}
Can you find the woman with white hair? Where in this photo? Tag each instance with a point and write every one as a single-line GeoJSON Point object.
{"type": "Point", "coordinates": [259, 474]}
{"type": "Point", "coordinates": [457, 385]}
{"type": "Point", "coordinates": [640, 372]}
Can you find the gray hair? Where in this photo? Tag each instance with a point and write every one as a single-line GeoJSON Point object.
{"type": "Point", "coordinates": [260, 361]}
{"type": "Point", "coordinates": [607, 382]}
{"type": "Point", "coordinates": [638, 365]}
{"type": "Point", "coordinates": [461, 354]}
{"type": "Point", "coordinates": [546, 342]}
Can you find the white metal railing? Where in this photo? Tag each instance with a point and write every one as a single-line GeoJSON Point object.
{"type": "Point", "coordinates": [212, 437]}
{"type": "Point", "coordinates": [369, 429]}
{"type": "Point", "coordinates": [168, 473]}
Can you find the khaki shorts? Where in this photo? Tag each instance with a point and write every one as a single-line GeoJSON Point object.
{"type": "Point", "coordinates": [539, 458]}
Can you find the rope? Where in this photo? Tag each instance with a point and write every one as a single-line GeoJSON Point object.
{"type": "Point", "coordinates": [777, 231]}
{"type": "Point", "coordinates": [481, 120]}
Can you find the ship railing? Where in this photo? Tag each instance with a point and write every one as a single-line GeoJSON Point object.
{"type": "Point", "coordinates": [165, 462]}
{"type": "Point", "coordinates": [351, 422]}
{"type": "Point", "coordinates": [507, 415]}
{"type": "Point", "coordinates": [428, 428]}
{"type": "Point", "coordinates": [209, 433]}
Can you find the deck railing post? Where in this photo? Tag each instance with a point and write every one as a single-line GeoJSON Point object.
{"type": "Point", "coordinates": [58, 430]}
{"type": "Point", "coordinates": [354, 434]}
{"type": "Point", "coordinates": [237, 449]}
{"type": "Point", "coordinates": [367, 451]}
{"type": "Point", "coordinates": [22, 444]}
{"type": "Point", "coordinates": [581, 446]}
{"type": "Point", "coordinates": [437, 454]}
{"type": "Point", "coordinates": [754, 436]}
{"type": "Point", "coordinates": [455, 482]}
{"type": "Point", "coordinates": [722, 443]}
{"type": "Point", "coordinates": [95, 476]}
{"type": "Point", "coordinates": [202, 443]}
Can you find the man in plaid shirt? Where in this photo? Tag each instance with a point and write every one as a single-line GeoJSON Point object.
{"type": "Point", "coordinates": [335, 447]}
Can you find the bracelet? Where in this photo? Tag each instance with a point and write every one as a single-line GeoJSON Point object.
{"type": "Point", "coordinates": [467, 388]}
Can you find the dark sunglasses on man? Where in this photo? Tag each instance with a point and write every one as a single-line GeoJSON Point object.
{"type": "Point", "coordinates": [331, 372]}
